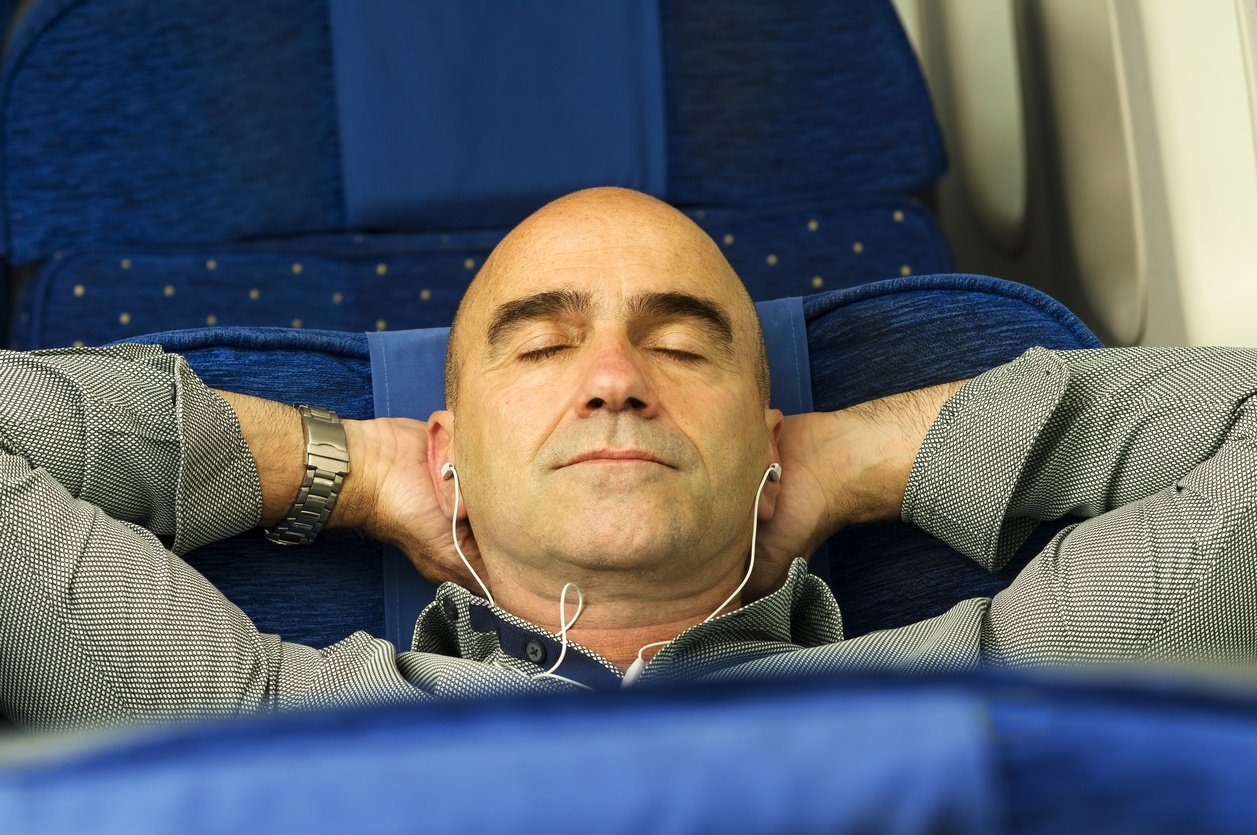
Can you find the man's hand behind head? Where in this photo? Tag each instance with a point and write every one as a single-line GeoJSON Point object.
{"type": "Point", "coordinates": [842, 468]}
{"type": "Point", "coordinates": [391, 498]}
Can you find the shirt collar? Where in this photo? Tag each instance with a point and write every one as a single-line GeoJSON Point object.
{"type": "Point", "coordinates": [802, 612]}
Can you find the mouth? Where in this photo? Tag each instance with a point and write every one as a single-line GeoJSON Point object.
{"type": "Point", "coordinates": [615, 456]}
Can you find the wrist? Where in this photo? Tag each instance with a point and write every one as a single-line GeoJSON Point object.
{"type": "Point", "coordinates": [356, 503]}
{"type": "Point", "coordinates": [864, 469]}
{"type": "Point", "coordinates": [275, 439]}
{"type": "Point", "coordinates": [877, 442]}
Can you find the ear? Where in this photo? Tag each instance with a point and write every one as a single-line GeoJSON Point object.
{"type": "Point", "coordinates": [440, 445]}
{"type": "Point", "coordinates": [773, 420]}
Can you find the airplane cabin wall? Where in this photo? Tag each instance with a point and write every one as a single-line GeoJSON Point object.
{"type": "Point", "coordinates": [1104, 152]}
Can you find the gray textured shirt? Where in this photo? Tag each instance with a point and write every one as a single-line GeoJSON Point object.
{"type": "Point", "coordinates": [103, 451]}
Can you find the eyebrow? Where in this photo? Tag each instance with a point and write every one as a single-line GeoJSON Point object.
{"type": "Point", "coordinates": [674, 305]}
{"type": "Point", "coordinates": [552, 304]}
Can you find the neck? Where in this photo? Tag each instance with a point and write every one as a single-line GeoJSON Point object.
{"type": "Point", "coordinates": [616, 622]}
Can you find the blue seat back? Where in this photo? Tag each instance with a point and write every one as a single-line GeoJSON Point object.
{"type": "Point", "coordinates": [939, 754]}
{"type": "Point", "coordinates": [179, 164]}
{"type": "Point", "coordinates": [181, 122]}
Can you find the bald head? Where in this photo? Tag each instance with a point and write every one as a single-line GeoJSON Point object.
{"type": "Point", "coordinates": [608, 415]}
{"type": "Point", "coordinates": [593, 232]}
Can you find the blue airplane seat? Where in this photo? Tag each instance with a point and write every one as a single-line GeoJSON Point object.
{"type": "Point", "coordinates": [974, 753]}
{"type": "Point", "coordinates": [169, 165]}
{"type": "Point", "coordinates": [860, 343]}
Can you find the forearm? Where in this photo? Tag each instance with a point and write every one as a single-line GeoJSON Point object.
{"type": "Point", "coordinates": [276, 439]}
{"type": "Point", "coordinates": [884, 438]}
{"type": "Point", "coordinates": [120, 427]}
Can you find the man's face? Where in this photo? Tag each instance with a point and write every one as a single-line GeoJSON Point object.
{"type": "Point", "coordinates": [608, 415]}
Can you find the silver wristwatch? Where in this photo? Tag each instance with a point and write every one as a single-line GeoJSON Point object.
{"type": "Point", "coordinates": [327, 464]}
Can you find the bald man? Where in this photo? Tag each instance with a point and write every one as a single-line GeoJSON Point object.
{"type": "Point", "coordinates": [627, 509]}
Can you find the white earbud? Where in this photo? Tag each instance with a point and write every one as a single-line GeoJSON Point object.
{"type": "Point", "coordinates": [774, 471]}
{"type": "Point", "coordinates": [447, 471]}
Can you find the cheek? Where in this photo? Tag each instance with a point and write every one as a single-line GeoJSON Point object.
{"type": "Point", "coordinates": [508, 427]}
{"type": "Point", "coordinates": [721, 439]}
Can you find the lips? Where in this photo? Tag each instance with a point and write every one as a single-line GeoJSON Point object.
{"type": "Point", "coordinates": [614, 455]}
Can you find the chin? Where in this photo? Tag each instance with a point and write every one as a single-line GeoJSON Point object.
{"type": "Point", "coordinates": [618, 539]}
{"type": "Point", "coordinates": [623, 522]}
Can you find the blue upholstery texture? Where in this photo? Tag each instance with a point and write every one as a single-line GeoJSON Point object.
{"type": "Point", "coordinates": [773, 103]}
{"type": "Point", "coordinates": [972, 754]}
{"type": "Point", "coordinates": [129, 122]}
{"type": "Point", "coordinates": [863, 342]}
{"type": "Point", "coordinates": [369, 282]}
{"type": "Point", "coordinates": [528, 110]}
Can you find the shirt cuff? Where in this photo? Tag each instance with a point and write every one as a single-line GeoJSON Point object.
{"type": "Point", "coordinates": [972, 458]}
{"type": "Point", "coordinates": [219, 494]}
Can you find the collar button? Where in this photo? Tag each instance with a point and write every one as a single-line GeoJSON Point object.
{"type": "Point", "coordinates": [535, 651]}
{"type": "Point", "coordinates": [450, 608]}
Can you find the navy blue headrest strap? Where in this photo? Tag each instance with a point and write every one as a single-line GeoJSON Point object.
{"type": "Point", "coordinates": [408, 378]}
{"type": "Point", "coordinates": [473, 114]}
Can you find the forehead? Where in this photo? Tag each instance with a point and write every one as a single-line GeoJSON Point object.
{"type": "Point", "coordinates": [612, 266]}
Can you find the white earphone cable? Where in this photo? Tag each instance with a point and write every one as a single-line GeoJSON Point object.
{"type": "Point", "coordinates": [446, 471]}
{"type": "Point", "coordinates": [635, 669]}
{"type": "Point", "coordinates": [565, 624]}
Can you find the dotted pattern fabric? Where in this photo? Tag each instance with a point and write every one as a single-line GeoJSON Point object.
{"type": "Point", "coordinates": [391, 282]}
{"type": "Point", "coordinates": [107, 450]}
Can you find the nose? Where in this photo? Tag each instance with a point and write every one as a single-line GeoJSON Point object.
{"type": "Point", "coordinates": [614, 379]}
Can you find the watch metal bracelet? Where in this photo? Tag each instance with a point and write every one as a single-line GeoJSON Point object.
{"type": "Point", "coordinates": [327, 464]}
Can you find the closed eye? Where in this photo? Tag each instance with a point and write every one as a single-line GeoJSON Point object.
{"type": "Point", "coordinates": [539, 354]}
{"type": "Point", "coordinates": [682, 356]}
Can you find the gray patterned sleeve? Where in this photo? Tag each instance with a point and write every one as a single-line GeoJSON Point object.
{"type": "Point", "coordinates": [133, 431]}
{"type": "Point", "coordinates": [102, 451]}
{"type": "Point", "coordinates": [1157, 450]}
{"type": "Point", "coordinates": [1071, 433]}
